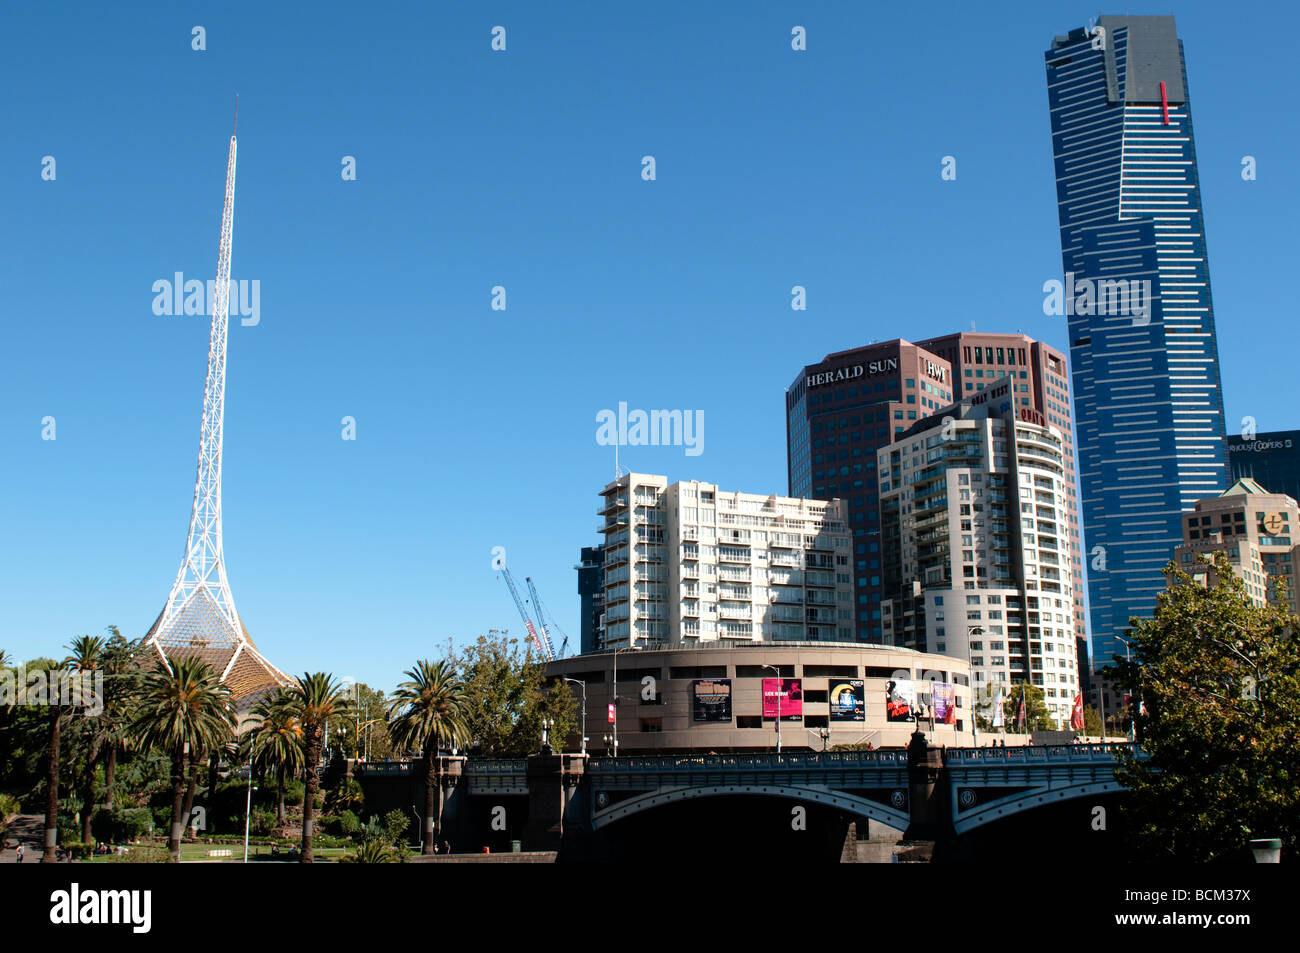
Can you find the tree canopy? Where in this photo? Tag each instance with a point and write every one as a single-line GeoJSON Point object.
{"type": "Point", "coordinates": [1217, 676]}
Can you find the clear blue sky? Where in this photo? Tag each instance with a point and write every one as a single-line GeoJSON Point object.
{"type": "Point", "coordinates": [477, 428]}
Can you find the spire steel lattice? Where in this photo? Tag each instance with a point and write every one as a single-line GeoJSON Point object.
{"type": "Point", "coordinates": [199, 618]}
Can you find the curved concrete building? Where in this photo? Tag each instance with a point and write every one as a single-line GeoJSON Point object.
{"type": "Point", "coordinates": [724, 698]}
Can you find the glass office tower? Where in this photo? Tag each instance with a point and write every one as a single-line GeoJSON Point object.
{"type": "Point", "coordinates": [1136, 295]}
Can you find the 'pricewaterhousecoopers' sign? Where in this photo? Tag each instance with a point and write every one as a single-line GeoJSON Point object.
{"type": "Point", "coordinates": [853, 372]}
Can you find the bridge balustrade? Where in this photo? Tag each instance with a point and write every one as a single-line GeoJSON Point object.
{"type": "Point", "coordinates": [714, 762]}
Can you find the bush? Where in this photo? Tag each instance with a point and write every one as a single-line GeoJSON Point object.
{"type": "Point", "coordinates": [122, 824]}
{"type": "Point", "coordinates": [142, 855]}
{"type": "Point", "coordinates": [9, 805]}
{"type": "Point", "coordinates": [79, 850]}
{"type": "Point", "coordinates": [263, 822]}
{"type": "Point", "coordinates": [396, 823]}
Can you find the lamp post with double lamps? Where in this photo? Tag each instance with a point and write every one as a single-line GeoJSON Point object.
{"type": "Point", "coordinates": [578, 681]}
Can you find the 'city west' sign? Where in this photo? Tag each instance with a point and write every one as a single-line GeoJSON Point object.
{"type": "Point", "coordinates": [851, 373]}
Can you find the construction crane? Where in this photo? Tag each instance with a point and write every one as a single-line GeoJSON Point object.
{"type": "Point", "coordinates": [542, 613]}
{"type": "Point", "coordinates": [543, 647]}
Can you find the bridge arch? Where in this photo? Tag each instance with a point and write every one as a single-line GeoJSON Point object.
{"type": "Point", "coordinates": [1021, 801]}
{"type": "Point", "coordinates": [842, 800]}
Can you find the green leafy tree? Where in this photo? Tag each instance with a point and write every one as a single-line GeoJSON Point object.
{"type": "Point", "coordinates": [425, 714]}
{"type": "Point", "coordinates": [507, 697]}
{"type": "Point", "coordinates": [1091, 722]}
{"type": "Point", "coordinates": [1219, 678]}
{"type": "Point", "coordinates": [1037, 717]}
{"type": "Point", "coordinates": [363, 732]}
{"type": "Point", "coordinates": [181, 710]}
{"type": "Point", "coordinates": [316, 697]}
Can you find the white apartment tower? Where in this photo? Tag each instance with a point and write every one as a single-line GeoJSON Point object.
{"type": "Point", "coordinates": [690, 564]}
{"type": "Point", "coordinates": [975, 535]}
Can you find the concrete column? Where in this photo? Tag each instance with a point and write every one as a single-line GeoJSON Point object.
{"type": "Point", "coordinates": [553, 781]}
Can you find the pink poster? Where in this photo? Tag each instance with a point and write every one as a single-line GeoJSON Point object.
{"type": "Point", "coordinates": [790, 697]}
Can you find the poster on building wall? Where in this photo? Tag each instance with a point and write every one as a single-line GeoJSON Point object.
{"type": "Point", "coordinates": [790, 699]}
{"type": "Point", "coordinates": [711, 699]}
{"type": "Point", "coordinates": [900, 699]}
{"type": "Point", "coordinates": [848, 700]}
{"type": "Point", "coordinates": [945, 703]}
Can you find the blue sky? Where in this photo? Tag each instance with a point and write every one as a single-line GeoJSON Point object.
{"type": "Point", "coordinates": [476, 428]}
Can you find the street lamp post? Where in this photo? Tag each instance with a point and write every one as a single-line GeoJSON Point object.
{"type": "Point", "coordinates": [248, 809]}
{"type": "Point", "coordinates": [974, 727]}
{"type": "Point", "coordinates": [1128, 657]}
{"type": "Point", "coordinates": [778, 705]}
{"type": "Point", "coordinates": [578, 681]}
{"type": "Point", "coordinates": [617, 652]}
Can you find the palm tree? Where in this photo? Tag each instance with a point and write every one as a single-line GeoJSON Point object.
{"type": "Point", "coordinates": [426, 711]}
{"type": "Point", "coordinates": [277, 741]}
{"type": "Point", "coordinates": [52, 778]}
{"type": "Point", "coordinates": [183, 709]}
{"type": "Point", "coordinates": [87, 656]}
{"type": "Point", "coordinates": [316, 698]}
{"type": "Point", "coordinates": [121, 684]}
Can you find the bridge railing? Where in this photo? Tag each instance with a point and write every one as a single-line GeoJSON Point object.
{"type": "Point", "coordinates": [496, 766]}
{"type": "Point", "coordinates": [715, 762]}
{"type": "Point", "coordinates": [1034, 754]}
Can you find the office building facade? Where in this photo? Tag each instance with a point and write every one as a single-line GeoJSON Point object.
{"type": "Point", "coordinates": [1136, 297]}
{"type": "Point", "coordinates": [1270, 459]}
{"type": "Point", "coordinates": [1256, 529]}
{"type": "Point", "coordinates": [975, 526]}
{"type": "Point", "coordinates": [591, 590]}
{"type": "Point", "coordinates": [688, 563]}
{"type": "Point", "coordinates": [839, 412]}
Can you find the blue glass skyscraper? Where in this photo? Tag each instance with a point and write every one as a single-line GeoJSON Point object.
{"type": "Point", "coordinates": [1136, 294]}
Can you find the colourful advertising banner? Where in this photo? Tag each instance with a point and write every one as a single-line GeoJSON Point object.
{"type": "Point", "coordinates": [848, 700]}
{"type": "Point", "coordinates": [791, 699]}
{"type": "Point", "coordinates": [711, 699]}
{"type": "Point", "coordinates": [945, 703]}
{"type": "Point", "coordinates": [900, 700]}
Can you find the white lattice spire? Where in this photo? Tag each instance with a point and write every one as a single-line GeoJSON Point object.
{"type": "Point", "coordinates": [199, 617]}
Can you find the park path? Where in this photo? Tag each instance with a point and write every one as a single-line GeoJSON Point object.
{"type": "Point", "coordinates": [28, 830]}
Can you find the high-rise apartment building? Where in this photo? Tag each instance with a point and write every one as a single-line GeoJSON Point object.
{"type": "Point", "coordinates": [689, 563]}
{"type": "Point", "coordinates": [975, 527]}
{"type": "Point", "coordinates": [1270, 459]}
{"type": "Point", "coordinates": [1040, 381]}
{"type": "Point", "coordinates": [1258, 532]}
{"type": "Point", "coordinates": [841, 411]}
{"type": "Point", "coordinates": [1136, 297]}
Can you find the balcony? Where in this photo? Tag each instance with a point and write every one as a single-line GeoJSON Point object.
{"type": "Point", "coordinates": [611, 504]}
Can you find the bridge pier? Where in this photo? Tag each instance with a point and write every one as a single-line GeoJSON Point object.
{"type": "Point", "coordinates": [556, 801]}
{"type": "Point", "coordinates": [931, 813]}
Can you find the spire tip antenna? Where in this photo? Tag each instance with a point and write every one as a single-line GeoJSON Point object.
{"type": "Point", "coordinates": [236, 124]}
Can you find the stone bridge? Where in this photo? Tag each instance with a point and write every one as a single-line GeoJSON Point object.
{"type": "Point", "coordinates": [926, 792]}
